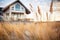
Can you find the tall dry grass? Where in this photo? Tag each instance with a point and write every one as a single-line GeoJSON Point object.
{"type": "Point", "coordinates": [30, 31]}
{"type": "Point", "coordinates": [51, 7]}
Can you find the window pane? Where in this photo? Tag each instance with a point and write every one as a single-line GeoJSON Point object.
{"type": "Point", "coordinates": [22, 9]}
{"type": "Point", "coordinates": [17, 7]}
{"type": "Point", "coordinates": [12, 8]}
{"type": "Point", "coordinates": [58, 0]}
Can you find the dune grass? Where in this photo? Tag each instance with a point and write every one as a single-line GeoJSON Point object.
{"type": "Point", "coordinates": [29, 31]}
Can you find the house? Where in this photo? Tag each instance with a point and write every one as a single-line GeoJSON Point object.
{"type": "Point", "coordinates": [1, 14]}
{"type": "Point", "coordinates": [18, 11]}
{"type": "Point", "coordinates": [15, 11]}
{"type": "Point", "coordinates": [1, 11]}
{"type": "Point", "coordinates": [56, 10]}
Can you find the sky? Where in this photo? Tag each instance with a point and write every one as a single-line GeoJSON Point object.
{"type": "Point", "coordinates": [43, 3]}
{"type": "Point", "coordinates": [26, 2]}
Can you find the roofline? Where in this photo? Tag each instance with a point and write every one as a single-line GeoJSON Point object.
{"type": "Point", "coordinates": [16, 2]}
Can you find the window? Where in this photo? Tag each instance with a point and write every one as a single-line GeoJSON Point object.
{"type": "Point", "coordinates": [13, 8]}
{"type": "Point", "coordinates": [58, 0]}
{"type": "Point", "coordinates": [17, 7]}
{"type": "Point", "coordinates": [21, 8]}
{"type": "Point", "coordinates": [7, 14]}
